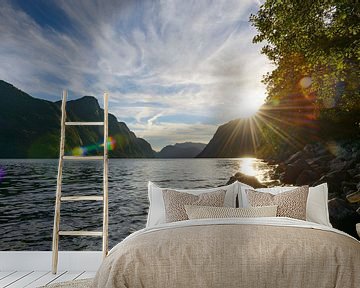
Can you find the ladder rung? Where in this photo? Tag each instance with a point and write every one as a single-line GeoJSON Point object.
{"type": "Point", "coordinates": [83, 157]}
{"type": "Point", "coordinates": [84, 123]}
{"type": "Point", "coordinates": [80, 233]}
{"type": "Point", "coordinates": [81, 198]}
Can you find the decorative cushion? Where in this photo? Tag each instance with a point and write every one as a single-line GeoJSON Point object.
{"type": "Point", "coordinates": [201, 212]}
{"type": "Point", "coordinates": [290, 204]}
{"type": "Point", "coordinates": [317, 210]}
{"type": "Point", "coordinates": [156, 214]}
{"type": "Point", "coordinates": [175, 202]}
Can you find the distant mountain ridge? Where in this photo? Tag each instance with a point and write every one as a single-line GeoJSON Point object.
{"type": "Point", "coordinates": [181, 150]}
{"type": "Point", "coordinates": [30, 127]}
{"type": "Point", "coordinates": [233, 139]}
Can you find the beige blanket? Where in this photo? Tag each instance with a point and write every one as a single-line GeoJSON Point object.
{"type": "Point", "coordinates": [233, 255]}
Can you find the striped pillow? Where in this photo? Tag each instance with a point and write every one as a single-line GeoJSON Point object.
{"type": "Point", "coordinates": [201, 212]}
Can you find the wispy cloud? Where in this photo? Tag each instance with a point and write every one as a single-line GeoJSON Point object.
{"type": "Point", "coordinates": [163, 62]}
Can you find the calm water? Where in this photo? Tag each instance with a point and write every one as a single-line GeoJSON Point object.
{"type": "Point", "coordinates": [27, 195]}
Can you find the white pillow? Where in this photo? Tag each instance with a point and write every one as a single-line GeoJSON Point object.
{"type": "Point", "coordinates": [316, 207]}
{"type": "Point", "coordinates": [156, 213]}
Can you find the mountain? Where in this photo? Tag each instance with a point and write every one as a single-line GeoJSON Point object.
{"type": "Point", "coordinates": [181, 150]}
{"type": "Point", "coordinates": [30, 127]}
{"type": "Point", "coordinates": [233, 139]}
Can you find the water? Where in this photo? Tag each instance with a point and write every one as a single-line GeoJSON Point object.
{"type": "Point", "coordinates": [27, 195]}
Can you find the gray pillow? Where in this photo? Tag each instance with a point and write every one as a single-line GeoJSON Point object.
{"type": "Point", "coordinates": [175, 201]}
{"type": "Point", "coordinates": [290, 204]}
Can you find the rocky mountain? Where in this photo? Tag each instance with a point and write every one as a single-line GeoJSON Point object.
{"type": "Point", "coordinates": [233, 139]}
{"type": "Point", "coordinates": [30, 127]}
{"type": "Point", "coordinates": [181, 150]}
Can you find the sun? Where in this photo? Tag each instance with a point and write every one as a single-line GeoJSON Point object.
{"type": "Point", "coordinates": [250, 105]}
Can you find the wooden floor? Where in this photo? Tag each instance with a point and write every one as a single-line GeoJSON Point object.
{"type": "Point", "coordinates": [32, 279]}
{"type": "Point", "coordinates": [32, 268]}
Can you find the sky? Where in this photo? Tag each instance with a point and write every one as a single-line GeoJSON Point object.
{"type": "Point", "coordinates": [174, 70]}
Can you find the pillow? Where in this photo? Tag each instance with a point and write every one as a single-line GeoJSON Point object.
{"type": "Point", "coordinates": [290, 203]}
{"type": "Point", "coordinates": [317, 210]}
{"type": "Point", "coordinates": [175, 201]}
{"type": "Point", "coordinates": [156, 214]}
{"type": "Point", "coordinates": [201, 212]}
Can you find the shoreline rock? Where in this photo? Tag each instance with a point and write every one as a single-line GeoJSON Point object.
{"type": "Point", "coordinates": [337, 164]}
{"type": "Point", "coordinates": [246, 179]}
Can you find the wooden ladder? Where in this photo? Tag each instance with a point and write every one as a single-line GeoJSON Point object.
{"type": "Point", "coordinates": [57, 232]}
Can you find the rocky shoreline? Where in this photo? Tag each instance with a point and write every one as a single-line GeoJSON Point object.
{"type": "Point", "coordinates": [337, 164]}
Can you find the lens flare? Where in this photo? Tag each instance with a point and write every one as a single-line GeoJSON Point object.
{"type": "Point", "coordinates": [329, 102]}
{"type": "Point", "coordinates": [2, 173]}
{"type": "Point", "coordinates": [305, 82]}
{"type": "Point", "coordinates": [333, 148]}
{"type": "Point", "coordinates": [111, 143]}
{"type": "Point", "coordinates": [78, 151]}
{"type": "Point", "coordinates": [91, 149]}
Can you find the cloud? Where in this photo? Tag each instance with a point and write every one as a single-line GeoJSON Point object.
{"type": "Point", "coordinates": [158, 59]}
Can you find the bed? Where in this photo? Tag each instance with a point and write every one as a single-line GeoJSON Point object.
{"type": "Point", "coordinates": [234, 251]}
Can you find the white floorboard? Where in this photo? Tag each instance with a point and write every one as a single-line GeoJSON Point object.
{"type": "Point", "coordinates": [4, 274]}
{"type": "Point", "coordinates": [28, 279]}
{"type": "Point", "coordinates": [12, 278]}
{"type": "Point", "coordinates": [35, 279]}
{"type": "Point", "coordinates": [41, 260]}
{"type": "Point", "coordinates": [46, 279]}
{"type": "Point", "coordinates": [30, 269]}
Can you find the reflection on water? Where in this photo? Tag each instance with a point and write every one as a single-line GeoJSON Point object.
{"type": "Point", "coordinates": [247, 166]}
{"type": "Point", "coordinates": [27, 194]}
{"type": "Point", "coordinates": [258, 168]}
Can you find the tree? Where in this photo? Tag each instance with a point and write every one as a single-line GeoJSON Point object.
{"type": "Point", "coordinates": [312, 38]}
{"type": "Point", "coordinates": [314, 89]}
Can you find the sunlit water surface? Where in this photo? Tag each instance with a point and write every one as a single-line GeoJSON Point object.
{"type": "Point", "coordinates": [27, 195]}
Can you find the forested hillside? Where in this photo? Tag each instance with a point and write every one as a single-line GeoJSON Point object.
{"type": "Point", "coordinates": [30, 128]}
